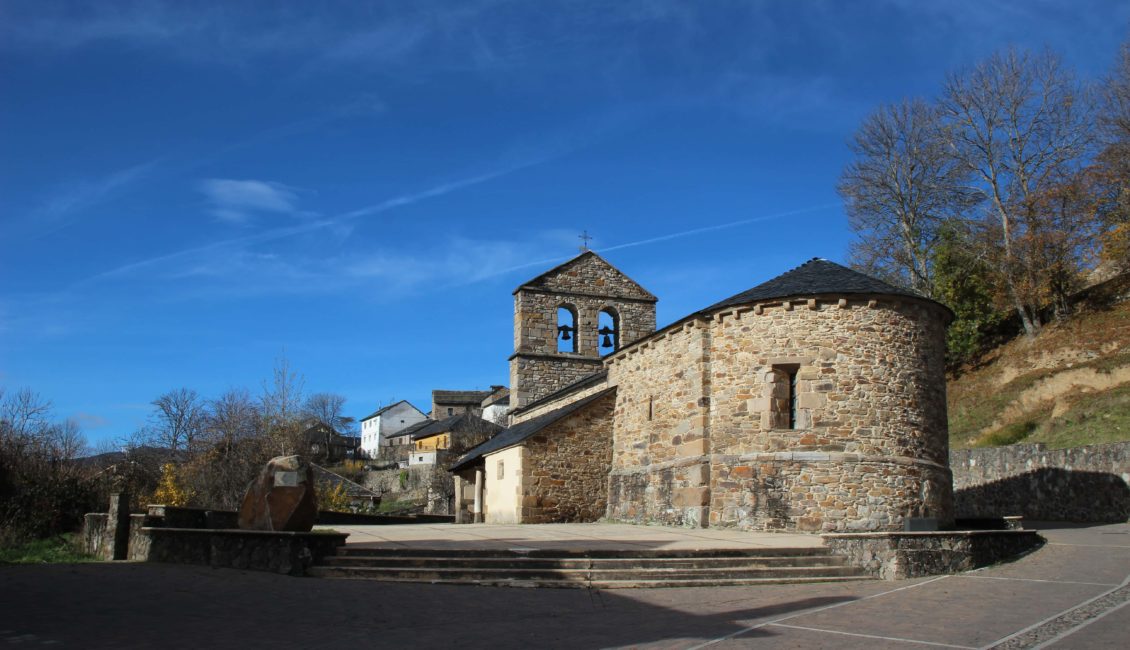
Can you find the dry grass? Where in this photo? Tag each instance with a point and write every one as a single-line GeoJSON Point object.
{"type": "Point", "coordinates": [980, 399]}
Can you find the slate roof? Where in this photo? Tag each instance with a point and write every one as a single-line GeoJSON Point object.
{"type": "Point", "coordinates": [498, 394]}
{"type": "Point", "coordinates": [814, 277]}
{"type": "Point", "coordinates": [523, 430]}
{"type": "Point", "coordinates": [583, 382]}
{"type": "Point", "coordinates": [462, 423]}
{"type": "Point", "coordinates": [409, 430]}
{"type": "Point", "coordinates": [382, 410]}
{"type": "Point", "coordinates": [475, 397]}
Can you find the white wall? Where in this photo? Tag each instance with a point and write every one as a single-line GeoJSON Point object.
{"type": "Point", "coordinates": [422, 458]}
{"type": "Point", "coordinates": [375, 431]}
{"type": "Point", "coordinates": [504, 495]}
{"type": "Point", "coordinates": [496, 413]}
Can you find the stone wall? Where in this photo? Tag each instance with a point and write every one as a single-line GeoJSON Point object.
{"type": "Point", "coordinates": [597, 385]}
{"type": "Point", "coordinates": [898, 556]}
{"type": "Point", "coordinates": [565, 467]}
{"type": "Point", "coordinates": [1081, 484]}
{"type": "Point", "coordinates": [586, 286]}
{"type": "Point", "coordinates": [537, 376]}
{"type": "Point", "coordinates": [660, 466]}
{"type": "Point", "coordinates": [697, 438]}
{"type": "Point", "coordinates": [151, 538]}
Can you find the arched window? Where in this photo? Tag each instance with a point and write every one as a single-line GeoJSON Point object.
{"type": "Point", "coordinates": [608, 324]}
{"type": "Point", "coordinates": [566, 329]}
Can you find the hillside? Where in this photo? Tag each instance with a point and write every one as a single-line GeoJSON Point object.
{"type": "Point", "coordinates": [1068, 386]}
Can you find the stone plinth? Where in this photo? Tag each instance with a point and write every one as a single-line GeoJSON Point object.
{"type": "Point", "coordinates": [895, 556]}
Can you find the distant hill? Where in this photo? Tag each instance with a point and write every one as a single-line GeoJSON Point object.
{"type": "Point", "coordinates": [1068, 386]}
{"type": "Point", "coordinates": [146, 454]}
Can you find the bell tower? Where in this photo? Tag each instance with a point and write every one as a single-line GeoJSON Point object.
{"type": "Point", "coordinates": [569, 317]}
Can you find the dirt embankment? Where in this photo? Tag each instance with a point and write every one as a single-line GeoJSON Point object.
{"type": "Point", "coordinates": [1068, 385]}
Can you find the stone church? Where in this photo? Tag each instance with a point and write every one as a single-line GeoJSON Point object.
{"type": "Point", "coordinates": [812, 402]}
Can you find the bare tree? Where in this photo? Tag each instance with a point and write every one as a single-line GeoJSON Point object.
{"type": "Point", "coordinates": [903, 183]}
{"type": "Point", "coordinates": [66, 440]}
{"type": "Point", "coordinates": [1020, 124]}
{"type": "Point", "coordinates": [24, 416]}
{"type": "Point", "coordinates": [282, 395]}
{"type": "Point", "coordinates": [281, 407]}
{"type": "Point", "coordinates": [232, 417]}
{"type": "Point", "coordinates": [1116, 99]}
{"type": "Point", "coordinates": [177, 421]}
{"type": "Point", "coordinates": [328, 408]}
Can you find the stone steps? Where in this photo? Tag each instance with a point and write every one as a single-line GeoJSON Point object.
{"type": "Point", "coordinates": [596, 569]}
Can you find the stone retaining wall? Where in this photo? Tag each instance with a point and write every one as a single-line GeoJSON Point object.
{"type": "Point", "coordinates": [1081, 484]}
{"type": "Point", "coordinates": [152, 539]}
{"type": "Point", "coordinates": [278, 552]}
{"type": "Point", "coordinates": [896, 556]}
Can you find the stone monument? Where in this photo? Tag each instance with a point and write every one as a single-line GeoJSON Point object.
{"type": "Point", "coordinates": [281, 498]}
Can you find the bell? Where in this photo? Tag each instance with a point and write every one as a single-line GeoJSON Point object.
{"type": "Point", "coordinates": [607, 342]}
{"type": "Point", "coordinates": [565, 335]}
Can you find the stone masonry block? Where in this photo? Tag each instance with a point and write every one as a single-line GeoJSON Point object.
{"type": "Point", "coordinates": [690, 497]}
{"type": "Point", "coordinates": [692, 448]}
{"type": "Point", "coordinates": [811, 400]}
{"type": "Point", "coordinates": [698, 475]}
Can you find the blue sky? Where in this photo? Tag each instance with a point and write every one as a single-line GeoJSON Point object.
{"type": "Point", "coordinates": [190, 190]}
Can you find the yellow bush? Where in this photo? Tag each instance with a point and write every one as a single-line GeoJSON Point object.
{"type": "Point", "coordinates": [333, 498]}
{"type": "Point", "coordinates": [171, 491]}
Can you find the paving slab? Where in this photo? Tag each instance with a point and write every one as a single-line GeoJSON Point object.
{"type": "Point", "coordinates": [567, 537]}
{"type": "Point", "coordinates": [1109, 631]}
{"type": "Point", "coordinates": [130, 605]}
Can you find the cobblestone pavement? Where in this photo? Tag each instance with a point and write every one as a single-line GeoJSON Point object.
{"type": "Point", "coordinates": [1072, 593]}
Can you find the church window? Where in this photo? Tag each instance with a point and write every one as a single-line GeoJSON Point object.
{"type": "Point", "coordinates": [609, 330]}
{"type": "Point", "coordinates": [566, 329]}
{"type": "Point", "coordinates": [501, 471]}
{"type": "Point", "coordinates": [783, 396]}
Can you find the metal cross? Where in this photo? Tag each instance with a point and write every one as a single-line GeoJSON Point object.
{"type": "Point", "coordinates": [585, 238]}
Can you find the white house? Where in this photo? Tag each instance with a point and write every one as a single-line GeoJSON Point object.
{"type": "Point", "coordinates": [497, 405]}
{"type": "Point", "coordinates": [378, 426]}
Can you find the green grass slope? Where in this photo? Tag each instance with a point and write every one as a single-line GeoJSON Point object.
{"type": "Point", "coordinates": [1066, 387]}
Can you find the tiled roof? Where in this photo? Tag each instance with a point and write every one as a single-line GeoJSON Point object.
{"type": "Point", "coordinates": [814, 277]}
{"type": "Point", "coordinates": [523, 430]}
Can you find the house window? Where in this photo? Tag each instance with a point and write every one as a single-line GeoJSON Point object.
{"type": "Point", "coordinates": [566, 329]}
{"type": "Point", "coordinates": [608, 329]}
{"type": "Point", "coordinates": [501, 471]}
{"type": "Point", "coordinates": [783, 396]}
{"type": "Point", "coordinates": [450, 410]}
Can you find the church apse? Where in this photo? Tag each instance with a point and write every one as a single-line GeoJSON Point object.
{"type": "Point", "coordinates": [814, 413]}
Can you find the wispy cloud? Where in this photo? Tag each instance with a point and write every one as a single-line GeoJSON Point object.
{"type": "Point", "coordinates": [237, 201]}
{"type": "Point", "coordinates": [543, 261]}
{"type": "Point", "coordinates": [90, 420]}
{"type": "Point", "coordinates": [332, 224]}
{"type": "Point", "coordinates": [69, 201]}
{"type": "Point", "coordinates": [721, 226]}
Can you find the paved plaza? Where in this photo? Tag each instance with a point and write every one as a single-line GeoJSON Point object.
{"type": "Point", "coordinates": [1072, 593]}
{"type": "Point", "coordinates": [567, 537]}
